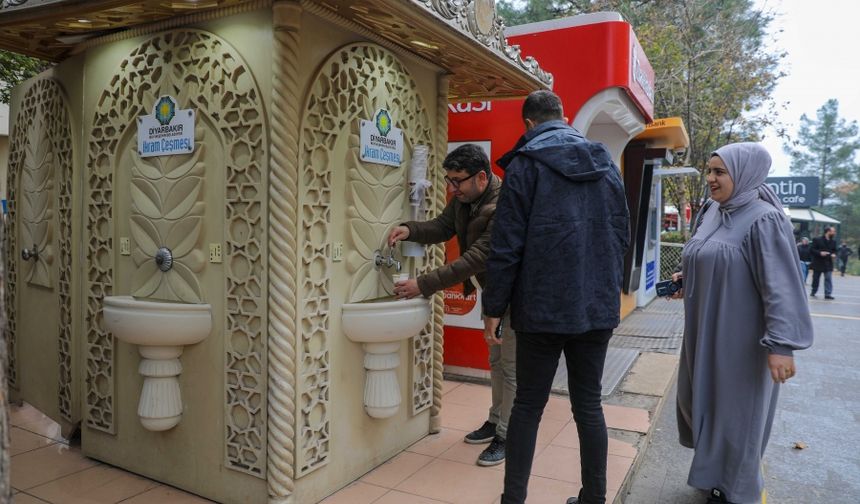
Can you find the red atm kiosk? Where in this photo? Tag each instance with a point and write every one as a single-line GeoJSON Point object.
{"type": "Point", "coordinates": [607, 88]}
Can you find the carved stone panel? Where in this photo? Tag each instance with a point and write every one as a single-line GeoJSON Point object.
{"type": "Point", "coordinates": [354, 82]}
{"type": "Point", "coordinates": [40, 186]}
{"type": "Point", "coordinates": [204, 73]}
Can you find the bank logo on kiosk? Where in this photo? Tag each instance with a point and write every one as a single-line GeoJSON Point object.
{"type": "Point", "coordinates": [167, 131]}
{"type": "Point", "coordinates": [381, 142]}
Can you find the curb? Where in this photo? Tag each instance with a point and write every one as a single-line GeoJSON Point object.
{"type": "Point", "coordinates": [645, 441]}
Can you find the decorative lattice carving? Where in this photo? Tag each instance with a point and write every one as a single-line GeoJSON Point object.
{"type": "Point", "coordinates": [376, 194]}
{"type": "Point", "coordinates": [41, 152]}
{"type": "Point", "coordinates": [206, 74]}
{"type": "Point", "coordinates": [352, 84]}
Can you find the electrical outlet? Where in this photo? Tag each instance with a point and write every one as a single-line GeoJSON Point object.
{"type": "Point", "coordinates": [124, 246]}
{"type": "Point", "coordinates": [337, 252]}
{"type": "Point", "coordinates": [215, 252]}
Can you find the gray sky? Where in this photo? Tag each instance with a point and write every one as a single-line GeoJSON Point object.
{"type": "Point", "coordinates": [820, 37]}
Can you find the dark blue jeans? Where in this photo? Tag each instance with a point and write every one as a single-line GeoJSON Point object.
{"type": "Point", "coordinates": [537, 360]}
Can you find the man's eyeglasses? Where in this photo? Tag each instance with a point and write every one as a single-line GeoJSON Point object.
{"type": "Point", "coordinates": [455, 183]}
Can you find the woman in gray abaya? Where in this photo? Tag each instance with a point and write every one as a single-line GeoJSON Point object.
{"type": "Point", "coordinates": [745, 313]}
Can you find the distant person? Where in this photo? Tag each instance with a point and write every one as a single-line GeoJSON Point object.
{"type": "Point", "coordinates": [556, 265]}
{"type": "Point", "coordinates": [741, 325]}
{"type": "Point", "coordinates": [843, 253]}
{"type": "Point", "coordinates": [469, 217]}
{"type": "Point", "coordinates": [823, 252]}
{"type": "Point", "coordinates": [805, 257]}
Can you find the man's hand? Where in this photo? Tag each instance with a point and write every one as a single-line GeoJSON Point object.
{"type": "Point", "coordinates": [781, 367]}
{"type": "Point", "coordinates": [397, 234]}
{"type": "Point", "coordinates": [490, 325]}
{"type": "Point", "coordinates": [407, 289]}
{"type": "Point", "coordinates": [824, 253]}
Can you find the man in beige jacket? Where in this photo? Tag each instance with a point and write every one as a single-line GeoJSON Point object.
{"type": "Point", "coordinates": [469, 216]}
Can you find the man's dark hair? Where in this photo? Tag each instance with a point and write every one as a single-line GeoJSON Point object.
{"type": "Point", "coordinates": [468, 158]}
{"type": "Point", "coordinates": [542, 106]}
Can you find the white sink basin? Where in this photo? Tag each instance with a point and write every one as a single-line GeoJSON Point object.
{"type": "Point", "coordinates": [380, 325]}
{"type": "Point", "coordinates": [153, 323]}
{"type": "Point", "coordinates": [160, 331]}
{"type": "Point", "coordinates": [385, 320]}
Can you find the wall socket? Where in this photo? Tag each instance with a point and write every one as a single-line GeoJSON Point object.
{"type": "Point", "coordinates": [215, 252]}
{"type": "Point", "coordinates": [124, 246]}
{"type": "Point", "coordinates": [337, 252]}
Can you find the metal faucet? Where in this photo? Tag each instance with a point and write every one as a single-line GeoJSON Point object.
{"type": "Point", "coordinates": [387, 261]}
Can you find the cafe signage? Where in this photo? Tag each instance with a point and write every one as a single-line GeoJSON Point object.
{"type": "Point", "coordinates": [381, 142]}
{"type": "Point", "coordinates": [795, 191]}
{"type": "Point", "coordinates": [169, 130]}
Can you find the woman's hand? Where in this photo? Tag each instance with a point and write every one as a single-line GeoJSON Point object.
{"type": "Point", "coordinates": [676, 277]}
{"type": "Point", "coordinates": [781, 367]}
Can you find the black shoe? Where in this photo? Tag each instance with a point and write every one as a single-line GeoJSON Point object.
{"type": "Point", "coordinates": [483, 435]}
{"type": "Point", "coordinates": [572, 500]}
{"type": "Point", "coordinates": [812, 295]}
{"type": "Point", "coordinates": [829, 297]}
{"type": "Point", "coordinates": [493, 454]}
{"type": "Point", "coordinates": [717, 497]}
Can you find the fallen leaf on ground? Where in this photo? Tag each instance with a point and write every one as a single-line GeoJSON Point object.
{"type": "Point", "coordinates": [800, 445]}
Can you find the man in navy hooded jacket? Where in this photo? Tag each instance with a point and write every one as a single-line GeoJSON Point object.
{"type": "Point", "coordinates": [556, 260]}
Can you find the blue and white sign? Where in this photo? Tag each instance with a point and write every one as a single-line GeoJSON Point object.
{"type": "Point", "coordinates": [381, 142]}
{"type": "Point", "coordinates": [650, 274]}
{"type": "Point", "coordinates": [168, 131]}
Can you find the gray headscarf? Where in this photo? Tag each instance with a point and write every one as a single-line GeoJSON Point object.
{"type": "Point", "coordinates": [748, 164]}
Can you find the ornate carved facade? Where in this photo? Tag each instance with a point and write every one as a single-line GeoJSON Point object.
{"type": "Point", "coordinates": [40, 191]}
{"type": "Point", "coordinates": [204, 73]}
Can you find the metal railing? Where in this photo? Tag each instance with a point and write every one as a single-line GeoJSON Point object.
{"type": "Point", "coordinates": [670, 258]}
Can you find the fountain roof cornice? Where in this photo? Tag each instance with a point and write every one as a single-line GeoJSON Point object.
{"type": "Point", "coordinates": [463, 37]}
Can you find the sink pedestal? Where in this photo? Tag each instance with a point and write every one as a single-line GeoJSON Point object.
{"type": "Point", "coordinates": [160, 331]}
{"type": "Point", "coordinates": [160, 406]}
{"type": "Point", "coordinates": [380, 326]}
{"type": "Point", "coordinates": [381, 390]}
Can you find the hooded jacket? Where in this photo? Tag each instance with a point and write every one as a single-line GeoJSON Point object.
{"type": "Point", "coordinates": [561, 231]}
{"type": "Point", "coordinates": [471, 223]}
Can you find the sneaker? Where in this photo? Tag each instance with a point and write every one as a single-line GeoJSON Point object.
{"type": "Point", "coordinates": [493, 454]}
{"type": "Point", "coordinates": [483, 435]}
{"type": "Point", "coordinates": [812, 295]}
{"type": "Point", "coordinates": [829, 297]}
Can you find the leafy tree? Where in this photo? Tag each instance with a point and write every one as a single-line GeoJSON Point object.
{"type": "Point", "coordinates": [825, 147]}
{"type": "Point", "coordinates": [15, 68]}
{"type": "Point", "coordinates": [712, 69]}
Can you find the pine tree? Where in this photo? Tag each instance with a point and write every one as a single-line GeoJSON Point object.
{"type": "Point", "coordinates": [825, 147]}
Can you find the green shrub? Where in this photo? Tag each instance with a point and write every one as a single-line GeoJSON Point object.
{"type": "Point", "coordinates": [672, 237]}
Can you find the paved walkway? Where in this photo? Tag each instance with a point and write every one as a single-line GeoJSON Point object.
{"type": "Point", "coordinates": [47, 468]}
{"type": "Point", "coordinates": [820, 408]}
